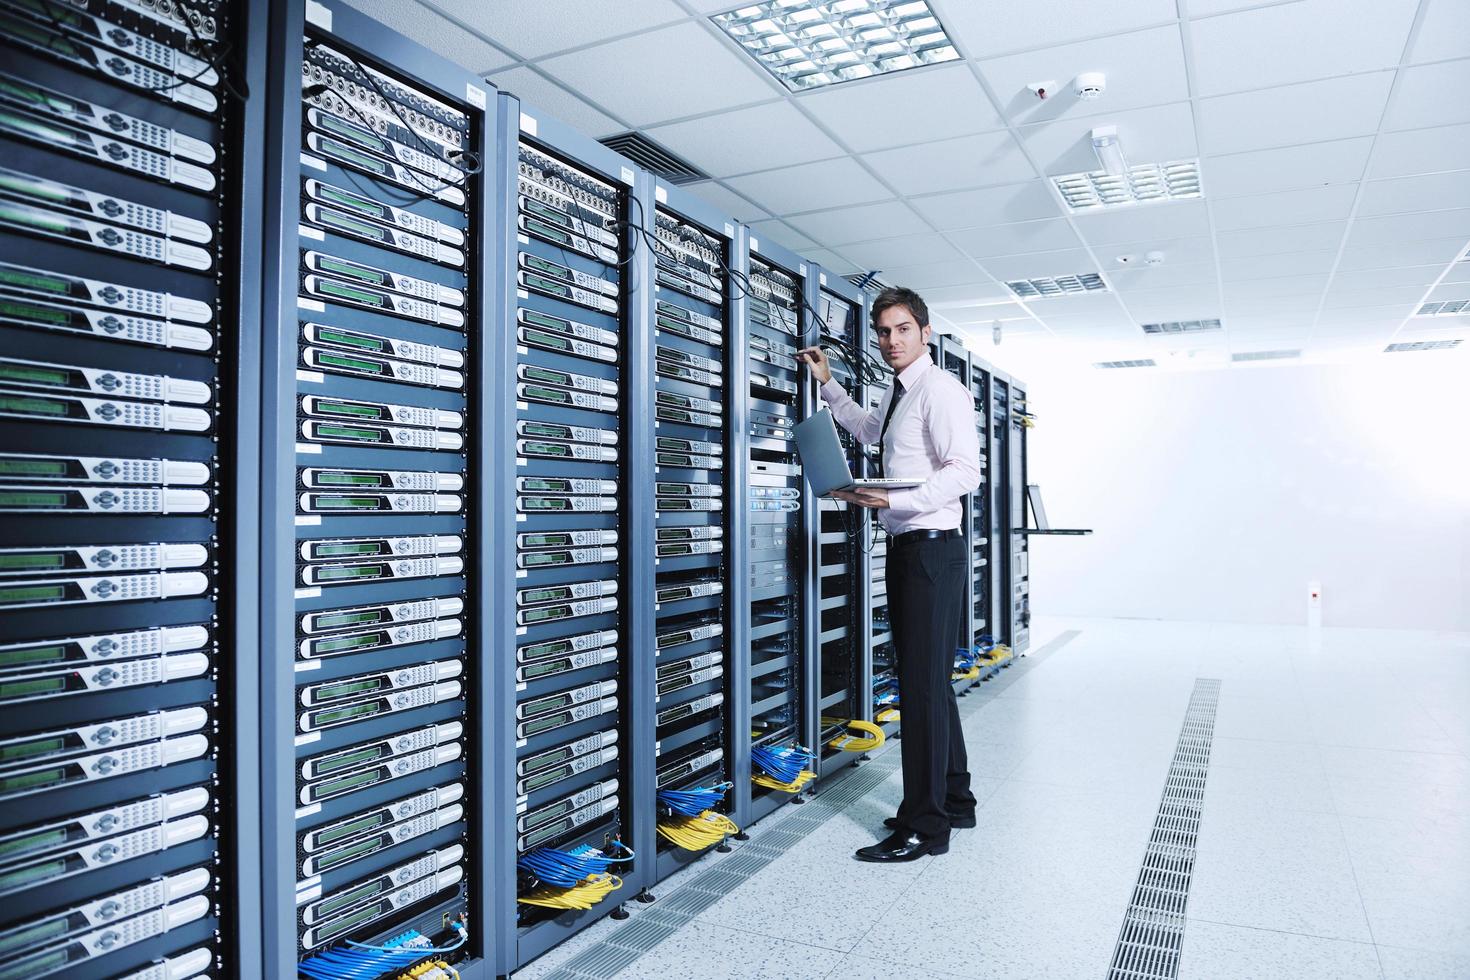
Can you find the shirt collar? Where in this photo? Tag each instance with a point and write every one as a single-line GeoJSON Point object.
{"type": "Point", "coordinates": [915, 371]}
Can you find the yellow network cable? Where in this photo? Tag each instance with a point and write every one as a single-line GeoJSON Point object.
{"type": "Point", "coordinates": [697, 833]}
{"type": "Point", "coordinates": [887, 715]}
{"type": "Point", "coordinates": [432, 970]}
{"type": "Point", "coordinates": [970, 674]}
{"type": "Point", "coordinates": [794, 786]}
{"type": "Point", "coordinates": [584, 895]}
{"type": "Point", "coordinates": [853, 743]}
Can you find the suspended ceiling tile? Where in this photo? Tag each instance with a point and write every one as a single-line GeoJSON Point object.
{"type": "Point", "coordinates": [1296, 42]}
{"type": "Point", "coordinates": [1155, 135]}
{"type": "Point", "coordinates": [741, 141]}
{"type": "Point", "coordinates": [418, 23]}
{"type": "Point", "coordinates": [811, 186]}
{"type": "Point", "coordinates": [1399, 255]}
{"type": "Point", "coordinates": [1259, 289]}
{"type": "Point", "coordinates": [1334, 109]}
{"type": "Point", "coordinates": [1065, 262]}
{"type": "Point", "coordinates": [1235, 268]}
{"type": "Point", "coordinates": [778, 231]}
{"type": "Point", "coordinates": [1328, 203]}
{"type": "Point", "coordinates": [1145, 223]}
{"type": "Point", "coordinates": [969, 161]}
{"type": "Point", "coordinates": [1027, 201]}
{"type": "Point", "coordinates": [1286, 239]}
{"type": "Point", "coordinates": [1343, 296]}
{"type": "Point", "coordinates": [1422, 151]}
{"type": "Point", "coordinates": [1286, 168]}
{"type": "Point", "coordinates": [904, 108]}
{"type": "Point", "coordinates": [1422, 96]}
{"type": "Point", "coordinates": [533, 30]}
{"type": "Point", "coordinates": [1414, 275]}
{"type": "Point", "coordinates": [1140, 277]}
{"type": "Point", "coordinates": [1145, 68]}
{"type": "Point", "coordinates": [983, 28]}
{"type": "Point", "coordinates": [926, 276]}
{"type": "Point", "coordinates": [681, 71]}
{"type": "Point", "coordinates": [1390, 228]}
{"type": "Point", "coordinates": [544, 95]}
{"type": "Point", "coordinates": [728, 201]}
{"type": "Point", "coordinates": [1442, 32]}
{"type": "Point", "coordinates": [903, 251]}
{"type": "Point", "coordinates": [1047, 235]}
{"type": "Point", "coordinates": [1427, 192]}
{"type": "Point", "coordinates": [864, 222]}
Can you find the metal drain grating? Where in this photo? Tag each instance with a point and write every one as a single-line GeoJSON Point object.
{"type": "Point", "coordinates": [1153, 927]}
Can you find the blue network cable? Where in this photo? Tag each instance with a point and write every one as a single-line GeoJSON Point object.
{"type": "Point", "coordinates": [783, 764]}
{"type": "Point", "coordinates": [360, 961]}
{"type": "Point", "coordinates": [693, 802]}
{"type": "Point", "coordinates": [567, 869]}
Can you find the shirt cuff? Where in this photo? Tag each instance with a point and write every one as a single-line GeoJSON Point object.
{"type": "Point", "coordinates": [831, 389]}
{"type": "Point", "coordinates": [900, 501]}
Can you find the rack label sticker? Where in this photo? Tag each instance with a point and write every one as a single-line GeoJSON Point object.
{"type": "Point", "coordinates": [309, 448]}
{"type": "Point", "coordinates": [729, 230]}
{"type": "Point", "coordinates": [520, 743]}
{"type": "Point", "coordinates": [521, 572]}
{"type": "Point", "coordinates": [528, 124]}
{"type": "Point", "coordinates": [523, 406]}
{"type": "Point", "coordinates": [314, 162]}
{"type": "Point", "coordinates": [660, 194]}
{"type": "Point", "coordinates": [308, 520]}
{"type": "Point", "coordinates": [755, 244]}
{"type": "Point", "coordinates": [309, 593]}
{"type": "Point", "coordinates": [475, 94]}
{"type": "Point", "coordinates": [309, 894]}
{"type": "Point", "coordinates": [822, 278]}
{"type": "Point", "coordinates": [314, 305]}
{"type": "Point", "coordinates": [306, 665]}
{"type": "Point", "coordinates": [523, 239]}
{"type": "Point", "coordinates": [319, 14]}
{"type": "Point", "coordinates": [311, 377]}
{"type": "Point", "coordinates": [522, 294]}
{"type": "Point", "coordinates": [308, 810]}
{"type": "Point", "coordinates": [316, 234]}
{"type": "Point", "coordinates": [801, 268]}
{"type": "Point", "coordinates": [627, 174]}
{"type": "Point", "coordinates": [308, 738]}
{"type": "Point", "coordinates": [523, 351]}
{"type": "Point", "coordinates": [520, 631]}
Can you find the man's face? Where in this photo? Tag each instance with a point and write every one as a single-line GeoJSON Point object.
{"type": "Point", "coordinates": [901, 340]}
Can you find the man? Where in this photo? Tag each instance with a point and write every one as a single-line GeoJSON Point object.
{"type": "Point", "coordinates": [925, 430]}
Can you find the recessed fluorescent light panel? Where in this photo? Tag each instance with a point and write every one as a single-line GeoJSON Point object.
{"type": "Point", "coordinates": [1265, 355]}
{"type": "Point", "coordinates": [1113, 365]}
{"type": "Point", "coordinates": [1088, 282]}
{"type": "Point", "coordinates": [1422, 345]}
{"type": "Point", "coordinates": [1140, 184]}
{"type": "Point", "coordinates": [1452, 307]}
{"type": "Point", "coordinates": [1181, 326]}
{"type": "Point", "coordinates": [809, 43]}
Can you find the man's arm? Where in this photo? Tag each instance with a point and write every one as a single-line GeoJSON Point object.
{"type": "Point", "coordinates": [951, 424]}
{"type": "Point", "coordinates": [865, 426]}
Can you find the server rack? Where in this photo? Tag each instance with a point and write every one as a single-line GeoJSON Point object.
{"type": "Point", "coordinates": [953, 357]}
{"type": "Point", "coordinates": [979, 525]}
{"type": "Point", "coordinates": [780, 513]}
{"type": "Point", "coordinates": [884, 702]}
{"type": "Point", "coordinates": [841, 610]}
{"type": "Point", "coordinates": [380, 217]}
{"type": "Point", "coordinates": [573, 531]}
{"type": "Point", "coordinates": [700, 599]}
{"type": "Point", "coordinates": [129, 615]}
{"type": "Point", "coordinates": [1020, 558]}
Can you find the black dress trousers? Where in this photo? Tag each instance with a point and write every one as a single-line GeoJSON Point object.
{"type": "Point", "coordinates": [926, 588]}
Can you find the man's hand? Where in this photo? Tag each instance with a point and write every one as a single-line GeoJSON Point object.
{"type": "Point", "coordinates": [816, 363]}
{"type": "Point", "coordinates": [872, 498]}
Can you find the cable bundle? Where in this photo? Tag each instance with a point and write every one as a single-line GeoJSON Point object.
{"type": "Point", "coordinates": [697, 832]}
{"type": "Point", "coordinates": [786, 768]}
{"type": "Point", "coordinates": [582, 895]}
{"type": "Point", "coordinates": [568, 869]}
{"type": "Point", "coordinates": [432, 970]}
{"type": "Point", "coordinates": [693, 802]}
{"type": "Point", "coordinates": [360, 961]}
{"type": "Point", "coordinates": [847, 742]}
{"type": "Point", "coordinates": [886, 715]}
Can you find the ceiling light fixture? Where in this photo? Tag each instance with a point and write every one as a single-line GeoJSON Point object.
{"type": "Point", "coordinates": [1111, 365]}
{"type": "Point", "coordinates": [810, 43]}
{"type": "Point", "coordinates": [1422, 345]}
{"type": "Point", "coordinates": [1449, 307]}
{"type": "Point", "coordinates": [1265, 355]}
{"type": "Point", "coordinates": [1088, 282]}
{"type": "Point", "coordinates": [1109, 150]}
{"type": "Point", "coordinates": [1142, 183]}
{"type": "Point", "coordinates": [1181, 326]}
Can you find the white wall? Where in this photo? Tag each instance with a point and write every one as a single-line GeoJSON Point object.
{"type": "Point", "coordinates": [1218, 495]}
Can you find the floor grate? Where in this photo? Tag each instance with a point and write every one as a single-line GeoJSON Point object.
{"type": "Point", "coordinates": [1152, 936]}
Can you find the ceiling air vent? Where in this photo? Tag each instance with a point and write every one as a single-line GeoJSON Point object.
{"type": "Point", "coordinates": [1181, 326]}
{"type": "Point", "coordinates": [1088, 282]}
{"type": "Point", "coordinates": [1422, 345]}
{"type": "Point", "coordinates": [652, 157]}
{"type": "Point", "coordinates": [1110, 365]}
{"type": "Point", "coordinates": [867, 281]}
{"type": "Point", "coordinates": [1450, 307]}
{"type": "Point", "coordinates": [1265, 355]}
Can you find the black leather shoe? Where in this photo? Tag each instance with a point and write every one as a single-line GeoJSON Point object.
{"type": "Point", "coordinates": [958, 821]}
{"type": "Point", "coordinates": [903, 846]}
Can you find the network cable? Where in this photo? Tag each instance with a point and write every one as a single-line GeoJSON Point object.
{"type": "Point", "coordinates": [695, 833]}
{"type": "Point", "coordinates": [583, 895]}
{"type": "Point", "coordinates": [361, 961]}
{"type": "Point", "coordinates": [692, 802]}
{"type": "Point", "coordinates": [787, 768]}
{"type": "Point", "coordinates": [567, 869]}
{"type": "Point", "coordinates": [847, 742]}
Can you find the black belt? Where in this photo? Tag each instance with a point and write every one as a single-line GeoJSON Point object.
{"type": "Point", "coordinates": [927, 534]}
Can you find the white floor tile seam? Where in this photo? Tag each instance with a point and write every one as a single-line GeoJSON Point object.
{"type": "Point", "coordinates": [1281, 932]}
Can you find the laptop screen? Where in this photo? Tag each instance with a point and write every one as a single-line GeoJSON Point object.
{"type": "Point", "coordinates": [1038, 510]}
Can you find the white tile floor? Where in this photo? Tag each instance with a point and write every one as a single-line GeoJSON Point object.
{"type": "Point", "coordinates": [1335, 840]}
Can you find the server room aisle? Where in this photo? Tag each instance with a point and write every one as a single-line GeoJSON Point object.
{"type": "Point", "coordinates": [1334, 839]}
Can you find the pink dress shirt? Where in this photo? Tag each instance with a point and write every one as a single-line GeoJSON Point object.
{"type": "Point", "coordinates": [931, 435]}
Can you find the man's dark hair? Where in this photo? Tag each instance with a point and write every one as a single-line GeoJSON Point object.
{"type": "Point", "coordinates": [899, 296]}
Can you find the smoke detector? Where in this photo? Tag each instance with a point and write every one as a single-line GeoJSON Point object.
{"type": "Point", "coordinates": [1154, 258]}
{"type": "Point", "coordinates": [1090, 85]}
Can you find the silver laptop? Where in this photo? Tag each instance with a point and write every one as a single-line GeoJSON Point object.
{"type": "Point", "coordinates": [824, 464]}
